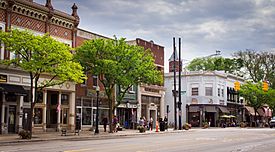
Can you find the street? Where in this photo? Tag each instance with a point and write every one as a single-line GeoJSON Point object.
{"type": "Point", "coordinates": [194, 140]}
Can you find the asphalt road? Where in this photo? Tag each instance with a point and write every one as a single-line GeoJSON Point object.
{"type": "Point", "coordinates": [194, 140]}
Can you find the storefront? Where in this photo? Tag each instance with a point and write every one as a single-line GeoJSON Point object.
{"type": "Point", "coordinates": [12, 104]}
{"type": "Point", "coordinates": [86, 110]}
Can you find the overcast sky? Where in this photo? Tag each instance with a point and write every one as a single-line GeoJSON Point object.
{"type": "Point", "coordinates": [204, 25]}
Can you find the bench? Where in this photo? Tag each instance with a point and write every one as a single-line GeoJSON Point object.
{"type": "Point", "coordinates": [64, 132]}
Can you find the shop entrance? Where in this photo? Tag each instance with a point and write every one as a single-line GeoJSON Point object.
{"type": "Point", "coordinates": [52, 104]}
{"type": "Point", "coordinates": [210, 117]}
{"type": "Point", "coordinates": [12, 119]}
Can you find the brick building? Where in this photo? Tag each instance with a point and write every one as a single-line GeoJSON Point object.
{"type": "Point", "coordinates": [86, 92]}
{"type": "Point", "coordinates": [15, 83]}
{"type": "Point", "coordinates": [150, 98]}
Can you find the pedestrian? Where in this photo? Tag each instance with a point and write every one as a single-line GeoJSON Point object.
{"type": "Point", "coordinates": [104, 122]}
{"type": "Point", "coordinates": [141, 122]}
{"type": "Point", "coordinates": [115, 121]}
{"type": "Point", "coordinates": [151, 124]}
{"type": "Point", "coordinates": [145, 122]}
{"type": "Point", "coordinates": [166, 122]}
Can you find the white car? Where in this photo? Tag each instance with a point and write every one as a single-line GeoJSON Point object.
{"type": "Point", "coordinates": [272, 122]}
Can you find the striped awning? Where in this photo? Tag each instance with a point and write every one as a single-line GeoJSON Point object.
{"type": "Point", "coordinates": [210, 109]}
{"type": "Point", "coordinates": [194, 108]}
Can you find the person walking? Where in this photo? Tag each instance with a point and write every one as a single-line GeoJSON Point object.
{"type": "Point", "coordinates": [151, 124]}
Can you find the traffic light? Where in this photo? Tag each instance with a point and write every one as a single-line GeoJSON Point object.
{"type": "Point", "coordinates": [265, 86]}
{"type": "Point", "coordinates": [237, 86]}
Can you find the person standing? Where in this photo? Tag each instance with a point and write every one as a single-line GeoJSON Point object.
{"type": "Point", "coordinates": [114, 122]}
{"type": "Point", "coordinates": [151, 124]}
{"type": "Point", "coordinates": [104, 122]}
{"type": "Point", "coordinates": [166, 122]}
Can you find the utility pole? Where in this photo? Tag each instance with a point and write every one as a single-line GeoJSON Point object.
{"type": "Point", "coordinates": [179, 103]}
{"type": "Point", "coordinates": [175, 89]}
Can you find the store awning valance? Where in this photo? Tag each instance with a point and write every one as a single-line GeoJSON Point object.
{"type": "Point", "coordinates": [251, 110]}
{"type": "Point", "coordinates": [10, 88]}
{"type": "Point", "coordinates": [224, 109]}
{"type": "Point", "coordinates": [210, 109]}
{"type": "Point", "coordinates": [261, 112]}
{"type": "Point", "coordinates": [194, 109]}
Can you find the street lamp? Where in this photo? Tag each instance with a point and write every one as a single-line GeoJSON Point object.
{"type": "Point", "coordinates": [96, 121]}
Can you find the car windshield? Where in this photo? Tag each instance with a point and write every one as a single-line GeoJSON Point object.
{"type": "Point", "coordinates": [273, 118]}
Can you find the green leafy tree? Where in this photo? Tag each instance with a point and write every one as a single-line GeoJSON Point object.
{"type": "Point", "coordinates": [215, 63]}
{"type": "Point", "coordinates": [259, 66]}
{"type": "Point", "coordinates": [254, 95]}
{"type": "Point", "coordinates": [271, 100]}
{"type": "Point", "coordinates": [41, 56]}
{"type": "Point", "coordinates": [118, 63]}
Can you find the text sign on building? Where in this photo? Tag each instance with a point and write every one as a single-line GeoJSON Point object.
{"type": "Point", "coordinates": [3, 78]}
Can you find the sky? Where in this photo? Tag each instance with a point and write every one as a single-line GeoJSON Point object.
{"type": "Point", "coordinates": [203, 25]}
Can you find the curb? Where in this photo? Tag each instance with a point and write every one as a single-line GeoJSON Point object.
{"type": "Point", "coordinates": [92, 137]}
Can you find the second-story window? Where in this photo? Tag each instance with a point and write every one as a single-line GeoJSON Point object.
{"type": "Point", "coordinates": [222, 90]}
{"type": "Point", "coordinates": [208, 91]}
{"type": "Point", "coordinates": [195, 91]}
{"type": "Point", "coordinates": [95, 81]}
{"type": "Point", "coordinates": [219, 92]}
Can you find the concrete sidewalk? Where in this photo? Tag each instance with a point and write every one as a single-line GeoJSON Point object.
{"type": "Point", "coordinates": [88, 135]}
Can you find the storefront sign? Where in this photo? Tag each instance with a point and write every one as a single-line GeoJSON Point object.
{"type": "Point", "coordinates": [3, 78]}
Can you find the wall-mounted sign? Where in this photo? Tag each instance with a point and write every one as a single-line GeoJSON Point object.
{"type": "Point", "coordinates": [3, 78]}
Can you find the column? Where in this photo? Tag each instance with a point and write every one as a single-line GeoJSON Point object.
{"type": "Point", "coordinates": [20, 110]}
{"type": "Point", "coordinates": [59, 112]}
{"type": "Point", "coordinates": [139, 102]}
{"type": "Point", "coordinates": [162, 107]}
{"type": "Point", "coordinates": [44, 116]}
{"type": "Point", "coordinates": [3, 114]}
{"type": "Point", "coordinates": [72, 111]}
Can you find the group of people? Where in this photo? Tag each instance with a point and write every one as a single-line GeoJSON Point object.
{"type": "Point", "coordinates": [146, 124]}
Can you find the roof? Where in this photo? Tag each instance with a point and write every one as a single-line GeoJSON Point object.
{"type": "Point", "coordinates": [172, 56]}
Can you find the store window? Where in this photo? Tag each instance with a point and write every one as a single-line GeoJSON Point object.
{"type": "Point", "coordinates": [39, 97]}
{"type": "Point", "coordinates": [86, 116]}
{"type": "Point", "coordinates": [64, 115]}
{"type": "Point", "coordinates": [195, 91]}
{"type": "Point", "coordinates": [64, 99]}
{"type": "Point", "coordinates": [38, 115]}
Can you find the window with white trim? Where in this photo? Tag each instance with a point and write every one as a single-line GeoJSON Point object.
{"type": "Point", "coordinates": [208, 91]}
{"type": "Point", "coordinates": [195, 91]}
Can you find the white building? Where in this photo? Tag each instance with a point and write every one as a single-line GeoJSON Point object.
{"type": "Point", "coordinates": [205, 97]}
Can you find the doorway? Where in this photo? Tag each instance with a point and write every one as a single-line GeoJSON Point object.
{"type": "Point", "coordinates": [12, 119]}
{"type": "Point", "coordinates": [52, 104]}
{"type": "Point", "coordinates": [210, 117]}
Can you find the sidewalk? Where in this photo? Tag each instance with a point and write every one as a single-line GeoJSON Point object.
{"type": "Point", "coordinates": [88, 135]}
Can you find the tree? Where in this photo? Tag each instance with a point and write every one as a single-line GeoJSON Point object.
{"type": "Point", "coordinates": [41, 55]}
{"type": "Point", "coordinates": [254, 95]}
{"type": "Point", "coordinates": [118, 63]}
{"type": "Point", "coordinates": [215, 63]}
{"type": "Point", "coordinates": [271, 100]}
{"type": "Point", "coordinates": [259, 66]}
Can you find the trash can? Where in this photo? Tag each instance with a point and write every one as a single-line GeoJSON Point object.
{"type": "Point", "coordinates": [162, 126]}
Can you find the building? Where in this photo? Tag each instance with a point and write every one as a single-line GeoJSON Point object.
{"type": "Point", "coordinates": [56, 106]}
{"type": "Point", "coordinates": [151, 97]}
{"type": "Point", "coordinates": [86, 92]}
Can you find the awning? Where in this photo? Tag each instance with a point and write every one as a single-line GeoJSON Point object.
{"type": "Point", "coordinates": [224, 109]}
{"type": "Point", "coordinates": [261, 112]}
{"type": "Point", "coordinates": [10, 88]}
{"type": "Point", "coordinates": [251, 110]}
{"type": "Point", "coordinates": [210, 109]}
{"type": "Point", "coordinates": [194, 109]}
{"type": "Point", "coordinates": [268, 112]}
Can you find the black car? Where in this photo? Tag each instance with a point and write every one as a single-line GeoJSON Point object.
{"type": "Point", "coordinates": [272, 122]}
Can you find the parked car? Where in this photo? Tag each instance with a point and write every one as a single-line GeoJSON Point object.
{"type": "Point", "coordinates": [272, 122]}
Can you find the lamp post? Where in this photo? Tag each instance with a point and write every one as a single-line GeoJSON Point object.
{"type": "Point", "coordinates": [96, 121]}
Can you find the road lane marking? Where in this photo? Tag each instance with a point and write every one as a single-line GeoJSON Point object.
{"type": "Point", "coordinates": [78, 150]}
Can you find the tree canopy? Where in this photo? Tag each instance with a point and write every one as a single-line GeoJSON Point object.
{"type": "Point", "coordinates": [215, 63]}
{"type": "Point", "coordinates": [260, 66]}
{"type": "Point", "coordinates": [254, 95]}
{"type": "Point", "coordinates": [118, 63]}
{"type": "Point", "coordinates": [41, 55]}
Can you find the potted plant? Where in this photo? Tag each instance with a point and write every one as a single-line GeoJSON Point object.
{"type": "Point", "coordinates": [205, 125]}
{"type": "Point", "coordinates": [24, 134]}
{"type": "Point", "coordinates": [141, 129]}
{"type": "Point", "coordinates": [186, 126]}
